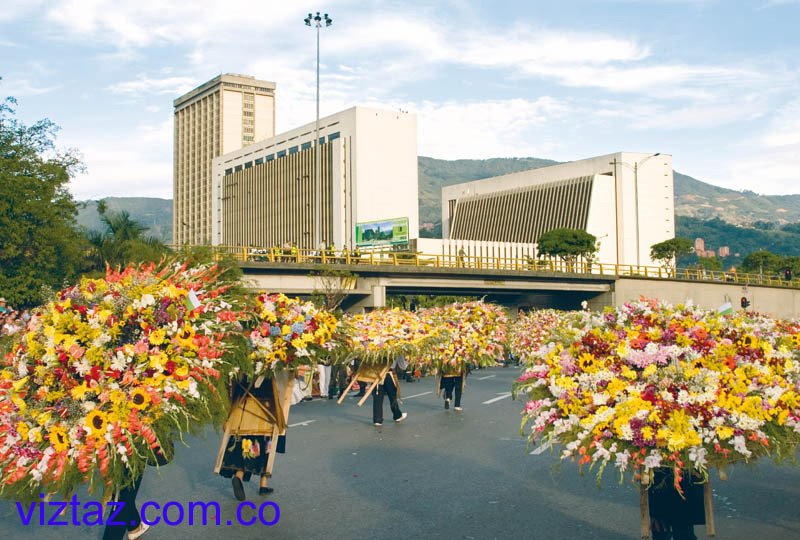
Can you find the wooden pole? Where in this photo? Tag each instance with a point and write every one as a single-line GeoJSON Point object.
{"type": "Point", "coordinates": [644, 511]}
{"type": "Point", "coordinates": [708, 501]}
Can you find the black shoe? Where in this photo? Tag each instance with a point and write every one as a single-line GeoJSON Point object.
{"type": "Point", "coordinates": [446, 403]}
{"type": "Point", "coordinates": [238, 488]}
{"type": "Point", "coordinates": [265, 490]}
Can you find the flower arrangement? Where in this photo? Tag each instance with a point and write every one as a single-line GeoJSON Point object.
{"type": "Point", "coordinates": [107, 373]}
{"type": "Point", "coordinates": [289, 333]}
{"type": "Point", "coordinates": [473, 333]}
{"type": "Point", "coordinates": [650, 385]}
{"type": "Point", "coordinates": [378, 336]}
{"type": "Point", "coordinates": [532, 330]}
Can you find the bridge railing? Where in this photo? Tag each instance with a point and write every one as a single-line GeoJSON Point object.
{"type": "Point", "coordinates": [491, 262]}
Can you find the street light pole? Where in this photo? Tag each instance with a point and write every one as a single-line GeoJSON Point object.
{"type": "Point", "coordinates": [317, 21]}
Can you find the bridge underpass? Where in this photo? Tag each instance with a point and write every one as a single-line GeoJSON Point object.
{"type": "Point", "coordinates": [373, 284]}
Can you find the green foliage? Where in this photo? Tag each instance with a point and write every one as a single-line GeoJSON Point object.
{"type": "Point", "coordinates": [793, 228]}
{"type": "Point", "coordinates": [709, 263]}
{"type": "Point", "coordinates": [123, 241]}
{"type": "Point", "coordinates": [152, 213]}
{"type": "Point", "coordinates": [742, 240]}
{"type": "Point", "coordinates": [764, 225]}
{"type": "Point", "coordinates": [568, 245]}
{"type": "Point", "coordinates": [669, 250]}
{"type": "Point", "coordinates": [39, 245]}
{"type": "Point", "coordinates": [762, 262]}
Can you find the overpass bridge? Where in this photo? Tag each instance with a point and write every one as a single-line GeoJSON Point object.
{"type": "Point", "coordinates": [368, 279]}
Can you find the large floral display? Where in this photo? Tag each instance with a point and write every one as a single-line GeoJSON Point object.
{"type": "Point", "coordinates": [379, 336]}
{"type": "Point", "coordinates": [473, 333]}
{"type": "Point", "coordinates": [650, 385]}
{"type": "Point", "coordinates": [531, 330]}
{"type": "Point", "coordinates": [107, 373]}
{"type": "Point", "coordinates": [289, 333]}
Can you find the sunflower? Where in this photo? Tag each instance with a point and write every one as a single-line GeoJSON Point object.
{"type": "Point", "coordinates": [96, 422]}
{"type": "Point", "coordinates": [59, 438]}
{"type": "Point", "coordinates": [139, 398]}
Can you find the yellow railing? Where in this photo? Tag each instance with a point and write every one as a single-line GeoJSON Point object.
{"type": "Point", "coordinates": [490, 262]}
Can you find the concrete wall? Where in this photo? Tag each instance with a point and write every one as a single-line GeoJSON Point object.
{"type": "Point", "coordinates": [773, 301]}
{"type": "Point", "coordinates": [632, 204]}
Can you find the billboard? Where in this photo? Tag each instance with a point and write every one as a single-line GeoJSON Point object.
{"type": "Point", "coordinates": [384, 232]}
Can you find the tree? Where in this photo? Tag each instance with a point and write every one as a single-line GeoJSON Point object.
{"type": "Point", "coordinates": [123, 242]}
{"type": "Point", "coordinates": [331, 287]}
{"type": "Point", "coordinates": [568, 245]}
{"type": "Point", "coordinates": [40, 246]}
{"type": "Point", "coordinates": [762, 262]}
{"type": "Point", "coordinates": [668, 251]}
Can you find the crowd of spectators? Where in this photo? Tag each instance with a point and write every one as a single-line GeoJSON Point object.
{"type": "Point", "coordinates": [11, 320]}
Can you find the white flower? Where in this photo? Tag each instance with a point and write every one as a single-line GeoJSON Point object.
{"type": "Point", "coordinates": [653, 461]}
{"type": "Point", "coordinates": [697, 454]}
{"type": "Point", "coordinates": [740, 445]}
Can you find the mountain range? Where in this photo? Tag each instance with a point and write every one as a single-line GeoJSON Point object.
{"type": "Point", "coordinates": [743, 220]}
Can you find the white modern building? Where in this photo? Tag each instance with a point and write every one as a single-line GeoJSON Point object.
{"type": "Point", "coordinates": [625, 199]}
{"type": "Point", "coordinates": [265, 194]}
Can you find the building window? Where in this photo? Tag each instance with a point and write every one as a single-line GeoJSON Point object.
{"type": "Point", "coordinates": [305, 146]}
{"type": "Point", "coordinates": [259, 161]}
{"type": "Point", "coordinates": [237, 168]}
{"type": "Point", "coordinates": [333, 136]}
{"type": "Point", "coordinates": [293, 150]}
{"type": "Point", "coordinates": [228, 171]}
{"type": "Point", "coordinates": [269, 157]}
{"type": "Point", "coordinates": [281, 153]}
{"type": "Point", "coordinates": [248, 164]}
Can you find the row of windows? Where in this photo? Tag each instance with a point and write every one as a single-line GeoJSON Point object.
{"type": "Point", "coordinates": [282, 153]}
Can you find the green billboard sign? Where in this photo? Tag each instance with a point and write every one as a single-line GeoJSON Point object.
{"type": "Point", "coordinates": [384, 232]}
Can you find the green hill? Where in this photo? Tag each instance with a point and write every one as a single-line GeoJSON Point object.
{"type": "Point", "coordinates": [723, 217]}
{"type": "Point", "coordinates": [155, 214]}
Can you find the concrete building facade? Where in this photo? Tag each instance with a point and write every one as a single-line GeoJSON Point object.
{"type": "Point", "coordinates": [625, 199]}
{"type": "Point", "coordinates": [220, 116]}
{"type": "Point", "coordinates": [264, 194]}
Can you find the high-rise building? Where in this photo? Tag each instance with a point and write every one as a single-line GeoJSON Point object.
{"type": "Point", "coordinates": [699, 246]}
{"type": "Point", "coordinates": [222, 115]}
{"type": "Point", "coordinates": [724, 251]}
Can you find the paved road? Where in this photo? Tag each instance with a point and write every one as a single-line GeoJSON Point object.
{"type": "Point", "coordinates": [439, 475]}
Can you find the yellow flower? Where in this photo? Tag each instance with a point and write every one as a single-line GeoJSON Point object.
{"type": "Point", "coordinates": [96, 422]}
{"type": "Point", "coordinates": [139, 398]}
{"type": "Point", "coordinates": [649, 371]}
{"type": "Point", "coordinates": [79, 392]}
{"type": "Point", "coordinates": [157, 337]}
{"type": "Point", "coordinates": [724, 432]}
{"type": "Point", "coordinates": [22, 429]}
{"type": "Point", "coordinates": [59, 439]}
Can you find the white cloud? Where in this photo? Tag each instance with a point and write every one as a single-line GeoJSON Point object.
{"type": "Point", "coordinates": [141, 166]}
{"type": "Point", "coordinates": [19, 87]}
{"type": "Point", "coordinates": [143, 85]}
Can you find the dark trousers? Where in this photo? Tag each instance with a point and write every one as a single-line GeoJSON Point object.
{"type": "Point", "coordinates": [452, 383]}
{"type": "Point", "coordinates": [390, 390]}
{"type": "Point", "coordinates": [672, 516]}
{"type": "Point", "coordinates": [128, 514]}
{"type": "Point", "coordinates": [338, 380]}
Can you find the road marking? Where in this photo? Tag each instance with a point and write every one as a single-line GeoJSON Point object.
{"type": "Point", "coordinates": [487, 377]}
{"type": "Point", "coordinates": [304, 423]}
{"type": "Point", "coordinates": [498, 398]}
{"type": "Point", "coordinates": [417, 395]}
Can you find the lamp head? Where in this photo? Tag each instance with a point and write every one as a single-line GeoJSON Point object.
{"type": "Point", "coordinates": [308, 20]}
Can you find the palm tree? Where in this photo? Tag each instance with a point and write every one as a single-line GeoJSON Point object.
{"type": "Point", "coordinates": [123, 241]}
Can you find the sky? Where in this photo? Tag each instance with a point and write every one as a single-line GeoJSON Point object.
{"type": "Point", "coordinates": [714, 83]}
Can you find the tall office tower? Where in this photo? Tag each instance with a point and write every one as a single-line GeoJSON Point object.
{"type": "Point", "coordinates": [222, 115]}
